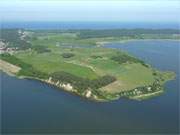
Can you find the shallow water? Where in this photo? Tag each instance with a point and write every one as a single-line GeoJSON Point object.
{"type": "Point", "coordinates": [32, 106]}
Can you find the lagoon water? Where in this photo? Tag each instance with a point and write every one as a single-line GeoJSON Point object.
{"type": "Point", "coordinates": [30, 106]}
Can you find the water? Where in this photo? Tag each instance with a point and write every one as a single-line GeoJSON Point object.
{"type": "Point", "coordinates": [89, 25]}
{"type": "Point", "coordinates": [30, 106]}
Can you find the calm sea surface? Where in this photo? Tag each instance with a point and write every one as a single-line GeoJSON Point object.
{"type": "Point", "coordinates": [30, 106]}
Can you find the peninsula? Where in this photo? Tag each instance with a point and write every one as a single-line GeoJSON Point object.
{"type": "Point", "coordinates": [76, 61]}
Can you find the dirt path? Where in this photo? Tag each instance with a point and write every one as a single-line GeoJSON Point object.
{"type": "Point", "coordinates": [81, 64]}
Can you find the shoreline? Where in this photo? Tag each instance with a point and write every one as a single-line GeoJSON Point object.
{"type": "Point", "coordinates": [58, 87]}
{"type": "Point", "coordinates": [103, 43]}
{"type": "Point", "coordinates": [73, 92]}
{"type": "Point", "coordinates": [147, 96]}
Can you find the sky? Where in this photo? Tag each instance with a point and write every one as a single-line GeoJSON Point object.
{"type": "Point", "coordinates": [92, 10]}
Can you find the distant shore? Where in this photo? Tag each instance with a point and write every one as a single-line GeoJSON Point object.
{"type": "Point", "coordinates": [103, 43]}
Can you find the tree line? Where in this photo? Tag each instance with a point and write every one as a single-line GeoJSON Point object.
{"type": "Point", "coordinates": [82, 84]}
{"type": "Point", "coordinates": [124, 32]}
{"type": "Point", "coordinates": [93, 33]}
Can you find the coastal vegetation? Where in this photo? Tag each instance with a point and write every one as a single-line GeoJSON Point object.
{"type": "Point", "coordinates": [82, 84]}
{"type": "Point", "coordinates": [123, 58]}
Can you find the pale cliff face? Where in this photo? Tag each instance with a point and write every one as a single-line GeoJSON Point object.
{"type": "Point", "coordinates": [88, 94]}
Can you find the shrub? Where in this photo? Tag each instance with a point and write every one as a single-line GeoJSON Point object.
{"type": "Point", "coordinates": [41, 49]}
{"type": "Point", "coordinates": [67, 55]}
